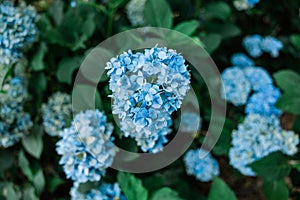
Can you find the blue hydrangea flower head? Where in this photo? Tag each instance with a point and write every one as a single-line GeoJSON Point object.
{"type": "Point", "coordinates": [57, 113]}
{"type": "Point", "coordinates": [86, 147]}
{"type": "Point", "coordinates": [102, 192]}
{"type": "Point", "coordinates": [258, 77]}
{"type": "Point", "coordinates": [14, 121]}
{"type": "Point", "coordinates": [236, 87]}
{"type": "Point", "coordinates": [244, 4]}
{"type": "Point", "coordinates": [252, 2]}
{"type": "Point", "coordinates": [189, 122]}
{"type": "Point", "coordinates": [201, 164]}
{"type": "Point", "coordinates": [17, 30]}
{"type": "Point", "coordinates": [271, 45]}
{"type": "Point", "coordinates": [146, 89]}
{"type": "Point", "coordinates": [252, 45]}
{"type": "Point", "coordinates": [241, 60]}
{"type": "Point", "coordinates": [257, 137]}
{"type": "Point", "coordinates": [135, 12]}
{"type": "Point", "coordinates": [263, 102]}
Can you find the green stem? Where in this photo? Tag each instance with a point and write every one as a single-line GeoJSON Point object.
{"type": "Point", "coordinates": [101, 8]}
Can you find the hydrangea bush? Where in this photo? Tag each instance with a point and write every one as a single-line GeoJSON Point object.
{"type": "Point", "coordinates": [18, 30]}
{"type": "Point", "coordinates": [56, 143]}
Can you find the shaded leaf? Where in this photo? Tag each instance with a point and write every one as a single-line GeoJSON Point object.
{"type": "Point", "coordinates": [158, 13]}
{"type": "Point", "coordinates": [272, 167]}
{"type": "Point", "coordinates": [224, 142]}
{"type": "Point", "coordinates": [295, 40]}
{"type": "Point", "coordinates": [40, 82]}
{"type": "Point", "coordinates": [33, 143]}
{"type": "Point", "coordinates": [187, 27]}
{"type": "Point", "coordinates": [57, 11]}
{"type": "Point", "coordinates": [54, 183]}
{"type": "Point", "coordinates": [219, 9]}
{"type": "Point", "coordinates": [132, 187]}
{"type": "Point", "coordinates": [24, 165]}
{"type": "Point", "coordinates": [3, 71]}
{"type": "Point", "coordinates": [226, 30]}
{"type": "Point", "coordinates": [11, 193]}
{"type": "Point", "coordinates": [211, 41]}
{"type": "Point", "coordinates": [165, 193]}
{"type": "Point", "coordinates": [37, 63]}
{"type": "Point", "coordinates": [289, 103]}
{"type": "Point", "coordinates": [276, 190]}
{"type": "Point", "coordinates": [66, 67]}
{"type": "Point", "coordinates": [29, 194]}
{"type": "Point", "coordinates": [288, 81]}
{"type": "Point", "coordinates": [39, 181]}
{"type": "Point", "coordinates": [219, 190]}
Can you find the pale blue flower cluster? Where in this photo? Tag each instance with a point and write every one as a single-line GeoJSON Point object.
{"type": "Point", "coordinates": [135, 12]}
{"type": "Point", "coordinates": [239, 82]}
{"type": "Point", "coordinates": [190, 121]}
{"type": "Point", "coordinates": [258, 77]}
{"type": "Point", "coordinates": [14, 121]}
{"type": "Point", "coordinates": [146, 89]}
{"type": "Point", "coordinates": [263, 102]}
{"type": "Point", "coordinates": [17, 30]}
{"type": "Point", "coordinates": [104, 192]}
{"type": "Point", "coordinates": [241, 60]}
{"type": "Point", "coordinates": [201, 164]}
{"type": "Point", "coordinates": [271, 45]}
{"type": "Point", "coordinates": [257, 137]}
{"type": "Point", "coordinates": [86, 147]}
{"type": "Point", "coordinates": [245, 4]}
{"type": "Point", "coordinates": [255, 45]}
{"type": "Point", "coordinates": [236, 87]}
{"type": "Point", "coordinates": [57, 113]}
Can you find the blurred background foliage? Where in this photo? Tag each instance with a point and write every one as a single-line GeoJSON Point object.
{"type": "Point", "coordinates": [67, 34]}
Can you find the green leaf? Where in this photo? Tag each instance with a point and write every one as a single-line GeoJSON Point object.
{"type": "Point", "coordinates": [219, 190]}
{"type": "Point", "coordinates": [132, 187]}
{"type": "Point", "coordinates": [40, 82]}
{"type": "Point", "coordinates": [211, 42]}
{"type": "Point", "coordinates": [289, 103]}
{"type": "Point", "coordinates": [224, 142]}
{"type": "Point", "coordinates": [288, 81]}
{"type": "Point", "coordinates": [37, 63]}
{"type": "Point", "coordinates": [33, 143]}
{"type": "Point", "coordinates": [24, 165]}
{"type": "Point", "coordinates": [10, 193]}
{"type": "Point", "coordinates": [75, 29]}
{"type": "Point", "coordinates": [295, 40]}
{"type": "Point", "coordinates": [54, 183]}
{"type": "Point", "coordinates": [57, 11]}
{"type": "Point", "coordinates": [88, 28]}
{"type": "Point", "coordinates": [153, 183]}
{"type": "Point", "coordinates": [39, 181]}
{"type": "Point", "coordinates": [276, 190]}
{"type": "Point", "coordinates": [219, 10]}
{"type": "Point", "coordinates": [3, 71]}
{"type": "Point", "coordinates": [66, 68]}
{"type": "Point", "coordinates": [165, 193]}
{"type": "Point", "coordinates": [187, 27]}
{"type": "Point", "coordinates": [272, 167]}
{"type": "Point", "coordinates": [29, 194]}
{"type": "Point", "coordinates": [158, 13]}
{"type": "Point", "coordinates": [6, 155]}
{"type": "Point", "coordinates": [86, 97]}
{"type": "Point", "coordinates": [226, 30]}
